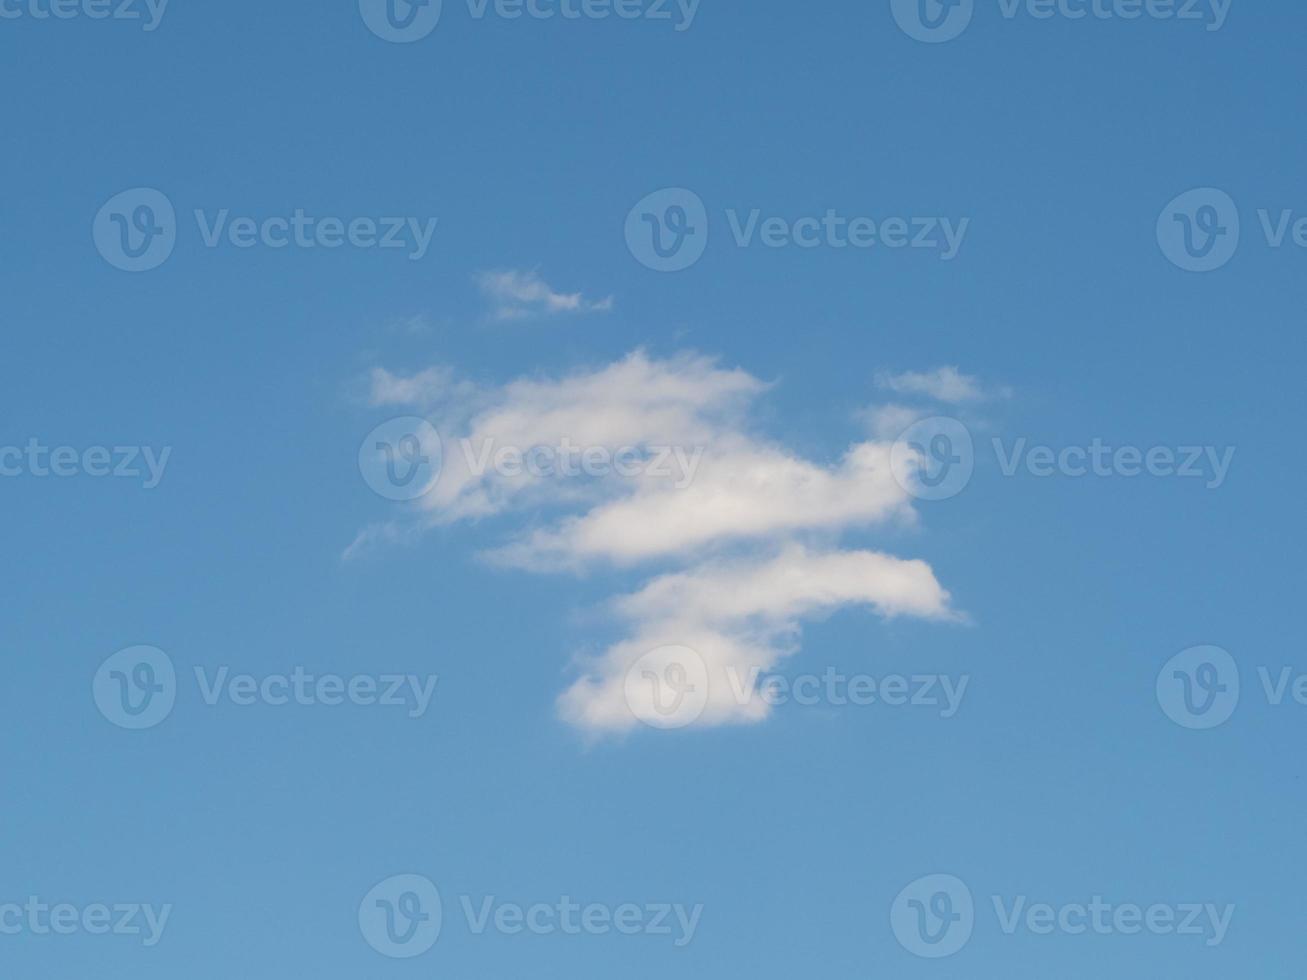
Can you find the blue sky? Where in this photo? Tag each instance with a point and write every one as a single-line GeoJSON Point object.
{"type": "Point", "coordinates": [805, 543]}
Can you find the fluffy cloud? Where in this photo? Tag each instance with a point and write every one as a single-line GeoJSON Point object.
{"type": "Point", "coordinates": [741, 616]}
{"type": "Point", "coordinates": [515, 294]}
{"type": "Point", "coordinates": [739, 530]}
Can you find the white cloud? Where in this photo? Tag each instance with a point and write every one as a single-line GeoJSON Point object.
{"type": "Point", "coordinates": [740, 617]}
{"type": "Point", "coordinates": [945, 384]}
{"type": "Point", "coordinates": [742, 491]}
{"type": "Point", "coordinates": [744, 547]}
{"type": "Point", "coordinates": [515, 294]}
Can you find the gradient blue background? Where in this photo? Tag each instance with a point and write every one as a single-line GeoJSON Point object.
{"type": "Point", "coordinates": [1060, 778]}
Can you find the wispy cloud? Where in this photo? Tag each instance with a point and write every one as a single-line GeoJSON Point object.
{"type": "Point", "coordinates": [945, 384]}
{"type": "Point", "coordinates": [515, 294]}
